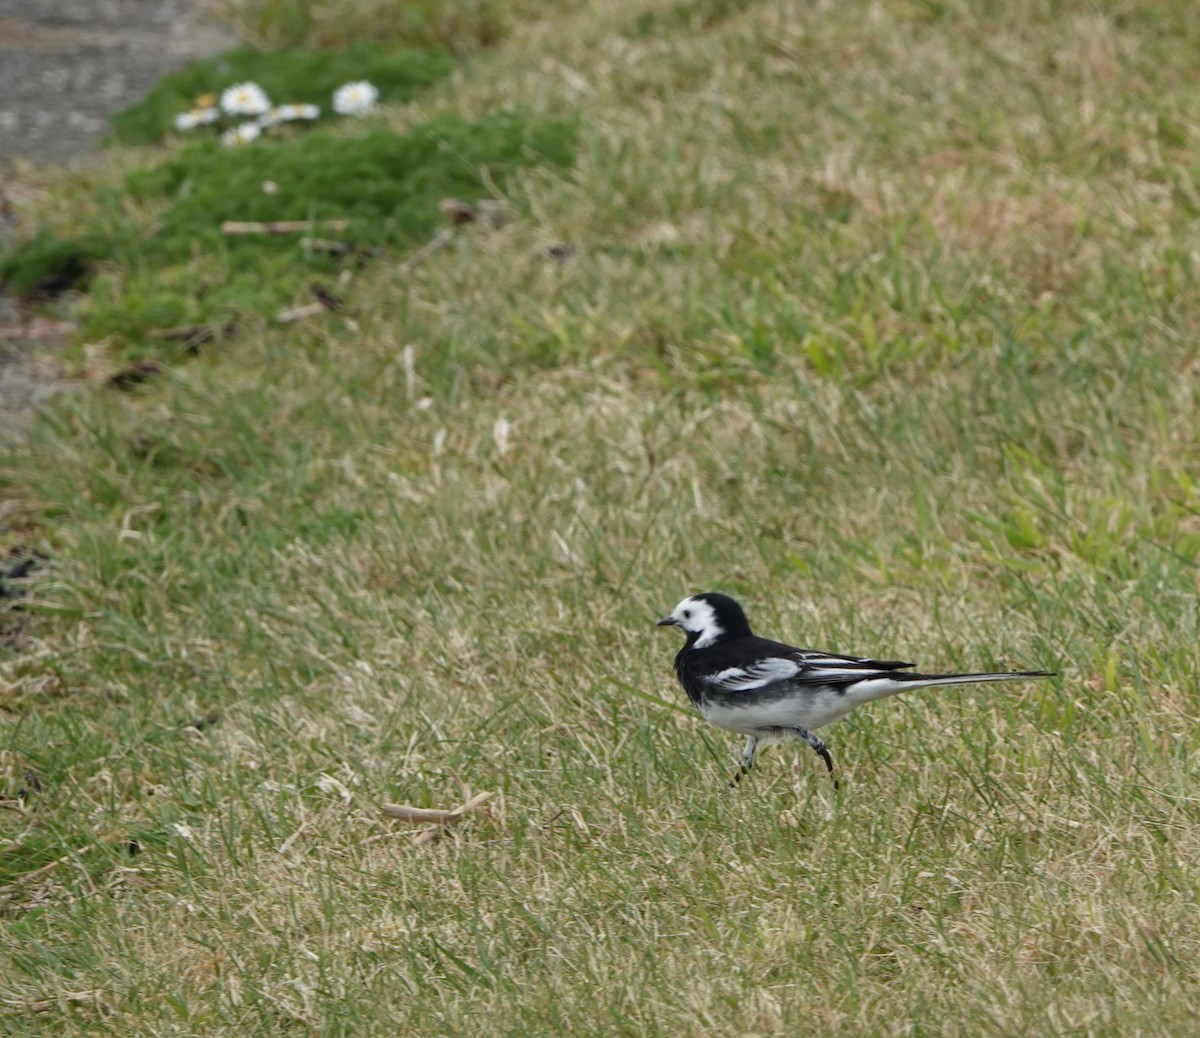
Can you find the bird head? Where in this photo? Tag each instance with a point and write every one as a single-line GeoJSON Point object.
{"type": "Point", "coordinates": [707, 618]}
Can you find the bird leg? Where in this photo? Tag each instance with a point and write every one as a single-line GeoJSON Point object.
{"type": "Point", "coordinates": [821, 748]}
{"type": "Point", "coordinates": [747, 761]}
{"type": "Point", "coordinates": [751, 751]}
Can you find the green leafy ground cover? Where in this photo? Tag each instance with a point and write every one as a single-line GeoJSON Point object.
{"type": "Point", "coordinates": [149, 251]}
{"type": "Point", "coordinates": [287, 76]}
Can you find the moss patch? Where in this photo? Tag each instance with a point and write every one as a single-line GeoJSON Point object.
{"type": "Point", "coordinates": [391, 184]}
{"type": "Point", "coordinates": [164, 262]}
{"type": "Point", "coordinates": [288, 77]}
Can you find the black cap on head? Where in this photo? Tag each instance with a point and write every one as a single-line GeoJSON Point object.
{"type": "Point", "coordinates": [728, 613]}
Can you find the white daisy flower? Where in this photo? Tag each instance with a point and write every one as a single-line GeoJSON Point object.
{"type": "Point", "coordinates": [354, 98]}
{"type": "Point", "coordinates": [290, 113]}
{"type": "Point", "coordinates": [243, 134]}
{"type": "Point", "coordinates": [196, 117]}
{"type": "Point", "coordinates": [245, 99]}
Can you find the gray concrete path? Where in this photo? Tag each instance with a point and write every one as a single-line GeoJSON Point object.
{"type": "Point", "coordinates": [67, 65]}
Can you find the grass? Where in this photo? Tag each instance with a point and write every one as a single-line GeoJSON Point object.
{"type": "Point", "coordinates": [461, 26]}
{"type": "Point", "coordinates": [288, 77]}
{"type": "Point", "coordinates": [877, 316]}
{"type": "Point", "coordinates": [151, 253]}
{"type": "Point", "coordinates": [154, 257]}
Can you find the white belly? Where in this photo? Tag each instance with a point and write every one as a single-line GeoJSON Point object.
{"type": "Point", "coordinates": [814, 709]}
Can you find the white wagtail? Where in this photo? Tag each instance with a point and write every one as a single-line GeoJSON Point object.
{"type": "Point", "coordinates": [769, 691]}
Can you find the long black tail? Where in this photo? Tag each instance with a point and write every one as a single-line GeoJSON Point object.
{"type": "Point", "coordinates": [880, 686]}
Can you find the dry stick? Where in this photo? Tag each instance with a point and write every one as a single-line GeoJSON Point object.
{"type": "Point", "coordinates": [426, 250]}
{"type": "Point", "coordinates": [329, 245]}
{"type": "Point", "coordinates": [432, 814]}
{"type": "Point", "coordinates": [441, 819]}
{"type": "Point", "coordinates": [298, 313]}
{"type": "Point", "coordinates": [428, 836]}
{"type": "Point", "coordinates": [46, 1005]}
{"type": "Point", "coordinates": [45, 870]}
{"type": "Point", "coordinates": [280, 226]}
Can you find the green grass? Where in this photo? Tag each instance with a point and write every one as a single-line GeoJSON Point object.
{"type": "Point", "coordinates": [878, 317]}
{"type": "Point", "coordinates": [156, 255]}
{"type": "Point", "coordinates": [461, 26]}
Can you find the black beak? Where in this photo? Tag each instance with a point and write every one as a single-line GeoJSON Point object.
{"type": "Point", "coordinates": [667, 621]}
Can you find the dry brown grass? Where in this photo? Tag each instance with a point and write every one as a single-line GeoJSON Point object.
{"type": "Point", "coordinates": [877, 317]}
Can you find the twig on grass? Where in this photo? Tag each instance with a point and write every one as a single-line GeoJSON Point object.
{"type": "Point", "coordinates": [325, 301]}
{"type": "Point", "coordinates": [440, 818]}
{"type": "Point", "coordinates": [302, 313]}
{"type": "Point", "coordinates": [13, 1006]}
{"type": "Point", "coordinates": [280, 226]}
{"type": "Point", "coordinates": [426, 250]}
{"type": "Point", "coordinates": [38, 873]}
{"type": "Point", "coordinates": [299, 313]}
{"type": "Point", "coordinates": [194, 336]}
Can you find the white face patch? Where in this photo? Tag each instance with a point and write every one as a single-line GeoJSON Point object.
{"type": "Point", "coordinates": [696, 616]}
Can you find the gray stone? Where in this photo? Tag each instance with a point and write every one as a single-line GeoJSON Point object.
{"type": "Point", "coordinates": [67, 65]}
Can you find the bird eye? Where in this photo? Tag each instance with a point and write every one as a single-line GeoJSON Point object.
{"type": "Point", "coordinates": [687, 614]}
